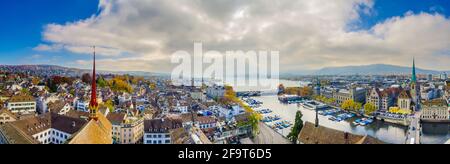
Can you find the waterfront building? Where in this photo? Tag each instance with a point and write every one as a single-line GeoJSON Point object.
{"type": "Point", "coordinates": [22, 104]}
{"type": "Point", "coordinates": [404, 101]}
{"type": "Point", "coordinates": [355, 94]}
{"type": "Point", "coordinates": [374, 97]}
{"type": "Point", "coordinates": [435, 110]}
{"type": "Point", "coordinates": [327, 92]}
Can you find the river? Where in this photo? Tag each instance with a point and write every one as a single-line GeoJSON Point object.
{"type": "Point", "coordinates": [387, 132]}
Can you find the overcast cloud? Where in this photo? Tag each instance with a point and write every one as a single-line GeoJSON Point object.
{"type": "Point", "coordinates": [310, 34]}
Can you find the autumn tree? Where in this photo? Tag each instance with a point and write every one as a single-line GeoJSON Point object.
{"type": "Point", "coordinates": [118, 84]}
{"type": "Point", "coordinates": [281, 89]}
{"type": "Point", "coordinates": [35, 80]}
{"type": "Point", "coordinates": [369, 108]}
{"type": "Point", "coordinates": [86, 78]}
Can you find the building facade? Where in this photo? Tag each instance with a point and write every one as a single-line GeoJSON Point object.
{"type": "Point", "coordinates": [435, 110]}
{"type": "Point", "coordinates": [23, 104]}
{"type": "Point", "coordinates": [157, 131]}
{"type": "Point", "coordinates": [355, 94]}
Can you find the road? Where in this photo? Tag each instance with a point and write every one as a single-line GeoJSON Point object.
{"type": "Point", "coordinates": [269, 136]}
{"type": "Point", "coordinates": [414, 131]}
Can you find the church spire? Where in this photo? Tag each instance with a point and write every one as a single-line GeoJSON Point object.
{"type": "Point", "coordinates": [93, 105]}
{"type": "Point", "coordinates": [414, 78]}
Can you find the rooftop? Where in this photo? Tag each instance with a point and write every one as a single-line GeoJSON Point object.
{"type": "Point", "coordinates": [323, 135]}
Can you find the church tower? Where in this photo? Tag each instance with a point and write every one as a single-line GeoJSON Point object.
{"type": "Point", "coordinates": [93, 104]}
{"type": "Point", "coordinates": [414, 87]}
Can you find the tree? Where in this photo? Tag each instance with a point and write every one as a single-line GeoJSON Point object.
{"type": "Point", "coordinates": [281, 89]}
{"type": "Point", "coordinates": [347, 105]}
{"type": "Point", "coordinates": [101, 82]}
{"type": "Point", "coordinates": [351, 105]}
{"type": "Point", "coordinates": [110, 105]}
{"type": "Point", "coordinates": [118, 84]}
{"type": "Point", "coordinates": [297, 128]}
{"type": "Point", "coordinates": [25, 91]}
{"type": "Point", "coordinates": [86, 78]}
{"type": "Point", "coordinates": [357, 106]}
{"type": "Point", "coordinates": [369, 108]}
{"type": "Point", "coordinates": [35, 80]}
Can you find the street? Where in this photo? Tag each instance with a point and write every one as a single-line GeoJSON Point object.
{"type": "Point", "coordinates": [413, 136]}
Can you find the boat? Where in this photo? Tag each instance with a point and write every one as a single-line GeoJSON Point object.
{"type": "Point", "coordinates": [357, 122]}
{"type": "Point", "coordinates": [276, 118]}
{"type": "Point", "coordinates": [366, 122]}
{"type": "Point", "coordinates": [332, 118]}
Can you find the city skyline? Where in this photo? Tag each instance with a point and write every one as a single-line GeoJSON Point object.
{"type": "Point", "coordinates": [140, 36]}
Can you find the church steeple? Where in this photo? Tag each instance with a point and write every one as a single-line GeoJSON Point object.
{"type": "Point", "coordinates": [93, 105]}
{"type": "Point", "coordinates": [413, 76]}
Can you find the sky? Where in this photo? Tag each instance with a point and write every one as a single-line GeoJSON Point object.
{"type": "Point", "coordinates": [141, 35]}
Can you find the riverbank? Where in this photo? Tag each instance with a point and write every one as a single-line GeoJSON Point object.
{"type": "Point", "coordinates": [385, 131]}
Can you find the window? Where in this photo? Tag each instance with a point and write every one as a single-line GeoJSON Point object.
{"type": "Point", "coordinates": [167, 141]}
{"type": "Point", "coordinates": [159, 142]}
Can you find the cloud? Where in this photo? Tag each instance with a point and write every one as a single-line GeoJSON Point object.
{"type": "Point", "coordinates": [36, 56]}
{"type": "Point", "coordinates": [310, 34]}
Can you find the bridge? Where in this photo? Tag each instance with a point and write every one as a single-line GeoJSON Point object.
{"type": "Point", "coordinates": [414, 130]}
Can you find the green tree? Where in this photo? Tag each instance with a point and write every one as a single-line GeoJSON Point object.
{"type": "Point", "coordinates": [357, 106]}
{"type": "Point", "coordinates": [298, 126]}
{"type": "Point", "coordinates": [101, 82]}
{"type": "Point", "coordinates": [110, 105]}
{"type": "Point", "coordinates": [25, 91]}
{"type": "Point", "coordinates": [369, 108]}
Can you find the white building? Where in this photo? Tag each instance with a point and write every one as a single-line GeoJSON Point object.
{"type": "Point", "coordinates": [435, 110]}
{"type": "Point", "coordinates": [23, 104]}
{"type": "Point", "coordinates": [157, 131]}
{"type": "Point", "coordinates": [215, 92]}
{"type": "Point", "coordinates": [49, 128]}
{"type": "Point", "coordinates": [81, 105]}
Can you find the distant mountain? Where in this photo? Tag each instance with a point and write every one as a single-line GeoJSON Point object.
{"type": "Point", "coordinates": [375, 69]}
{"type": "Point", "coordinates": [65, 71]}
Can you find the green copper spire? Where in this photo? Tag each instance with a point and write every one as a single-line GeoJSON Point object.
{"type": "Point", "coordinates": [413, 78]}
